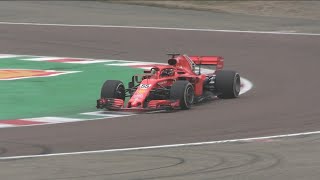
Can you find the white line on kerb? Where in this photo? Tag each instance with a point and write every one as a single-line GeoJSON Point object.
{"type": "Point", "coordinates": [161, 146]}
{"type": "Point", "coordinates": [161, 28]}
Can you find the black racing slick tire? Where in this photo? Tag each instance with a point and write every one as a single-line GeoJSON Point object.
{"type": "Point", "coordinates": [227, 84]}
{"type": "Point", "coordinates": [184, 92]}
{"type": "Point", "coordinates": [113, 89]}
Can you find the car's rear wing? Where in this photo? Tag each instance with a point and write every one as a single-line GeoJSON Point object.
{"type": "Point", "coordinates": [206, 59]}
{"type": "Point", "coordinates": [217, 61]}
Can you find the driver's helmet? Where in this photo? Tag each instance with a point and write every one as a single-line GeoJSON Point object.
{"type": "Point", "coordinates": [167, 72]}
{"type": "Point", "coordinates": [153, 71]}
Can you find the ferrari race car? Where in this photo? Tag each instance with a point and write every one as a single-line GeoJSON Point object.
{"type": "Point", "coordinates": [184, 81]}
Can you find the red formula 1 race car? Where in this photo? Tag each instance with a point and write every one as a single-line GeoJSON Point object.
{"type": "Point", "coordinates": [184, 81]}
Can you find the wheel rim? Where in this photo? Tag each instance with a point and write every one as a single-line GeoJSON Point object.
{"type": "Point", "coordinates": [120, 92]}
{"type": "Point", "coordinates": [237, 85]}
{"type": "Point", "coordinates": [189, 96]}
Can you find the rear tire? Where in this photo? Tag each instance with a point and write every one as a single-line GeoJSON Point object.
{"type": "Point", "coordinates": [228, 84]}
{"type": "Point", "coordinates": [184, 92]}
{"type": "Point", "coordinates": [113, 89]}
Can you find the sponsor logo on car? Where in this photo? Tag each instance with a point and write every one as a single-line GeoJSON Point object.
{"type": "Point", "coordinates": [162, 82]}
{"type": "Point", "coordinates": [138, 96]}
{"type": "Point", "coordinates": [141, 91]}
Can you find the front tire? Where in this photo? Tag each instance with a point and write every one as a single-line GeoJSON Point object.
{"type": "Point", "coordinates": [113, 89]}
{"type": "Point", "coordinates": [184, 92]}
{"type": "Point", "coordinates": [228, 84]}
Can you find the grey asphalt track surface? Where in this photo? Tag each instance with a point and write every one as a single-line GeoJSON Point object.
{"type": "Point", "coordinates": [285, 99]}
{"type": "Point", "coordinates": [289, 158]}
{"type": "Point", "coordinates": [95, 12]}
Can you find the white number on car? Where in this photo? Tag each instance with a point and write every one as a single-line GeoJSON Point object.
{"type": "Point", "coordinates": [145, 86]}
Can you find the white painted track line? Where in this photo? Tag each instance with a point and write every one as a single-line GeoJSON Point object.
{"type": "Point", "coordinates": [3, 56]}
{"type": "Point", "coordinates": [5, 125]}
{"type": "Point", "coordinates": [162, 146]}
{"type": "Point", "coordinates": [42, 58]}
{"type": "Point", "coordinates": [89, 61]}
{"type": "Point", "coordinates": [104, 114]}
{"type": "Point", "coordinates": [247, 85]}
{"type": "Point", "coordinates": [161, 28]}
{"type": "Point", "coordinates": [53, 119]}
